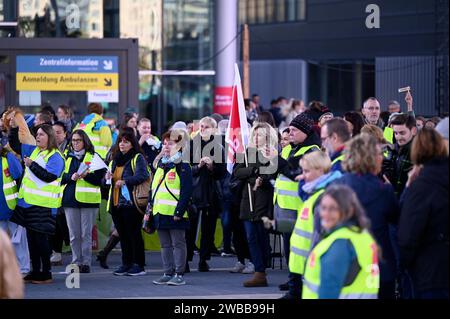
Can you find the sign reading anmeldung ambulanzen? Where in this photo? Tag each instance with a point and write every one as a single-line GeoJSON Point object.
{"type": "Point", "coordinates": [67, 73]}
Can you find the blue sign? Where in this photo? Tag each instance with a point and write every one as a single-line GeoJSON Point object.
{"type": "Point", "coordinates": [67, 64]}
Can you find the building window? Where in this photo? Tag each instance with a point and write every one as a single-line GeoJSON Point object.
{"type": "Point", "coordinates": [271, 11]}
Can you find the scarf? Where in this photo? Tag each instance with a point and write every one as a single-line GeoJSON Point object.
{"type": "Point", "coordinates": [174, 158]}
{"type": "Point", "coordinates": [80, 154]}
{"type": "Point", "coordinates": [121, 159]}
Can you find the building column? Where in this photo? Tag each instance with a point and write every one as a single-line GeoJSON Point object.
{"type": "Point", "coordinates": [226, 19]}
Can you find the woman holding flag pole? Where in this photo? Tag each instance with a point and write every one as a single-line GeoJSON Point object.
{"type": "Point", "coordinates": [255, 172]}
{"type": "Point", "coordinates": [81, 197]}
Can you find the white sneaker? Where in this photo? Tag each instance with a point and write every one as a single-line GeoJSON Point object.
{"type": "Point", "coordinates": [238, 268]}
{"type": "Point", "coordinates": [56, 258]}
{"type": "Point", "coordinates": [249, 268]}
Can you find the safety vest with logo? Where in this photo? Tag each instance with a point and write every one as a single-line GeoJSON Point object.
{"type": "Point", "coordinates": [164, 202]}
{"type": "Point", "coordinates": [388, 134]}
{"type": "Point", "coordinates": [9, 186]}
{"type": "Point", "coordinates": [50, 194]}
{"type": "Point", "coordinates": [366, 283]}
{"type": "Point", "coordinates": [286, 190]}
{"type": "Point", "coordinates": [85, 192]}
{"type": "Point", "coordinates": [100, 149]}
{"type": "Point", "coordinates": [301, 238]}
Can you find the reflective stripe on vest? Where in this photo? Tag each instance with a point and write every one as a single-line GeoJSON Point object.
{"type": "Point", "coordinates": [85, 192]}
{"type": "Point", "coordinates": [164, 203]}
{"type": "Point", "coordinates": [366, 283]}
{"type": "Point", "coordinates": [286, 190]}
{"type": "Point", "coordinates": [9, 186]}
{"type": "Point", "coordinates": [337, 159]}
{"type": "Point", "coordinates": [49, 195]}
{"type": "Point", "coordinates": [301, 238]}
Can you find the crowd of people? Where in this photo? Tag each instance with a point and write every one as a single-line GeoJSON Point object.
{"type": "Point", "coordinates": [360, 200]}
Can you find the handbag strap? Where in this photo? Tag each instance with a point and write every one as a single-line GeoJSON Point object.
{"type": "Point", "coordinates": [157, 188]}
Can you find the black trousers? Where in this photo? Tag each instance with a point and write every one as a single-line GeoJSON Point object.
{"type": "Point", "coordinates": [208, 229]}
{"type": "Point", "coordinates": [240, 242]}
{"type": "Point", "coordinates": [128, 222]}
{"type": "Point", "coordinates": [40, 251]}
{"type": "Point", "coordinates": [61, 232]}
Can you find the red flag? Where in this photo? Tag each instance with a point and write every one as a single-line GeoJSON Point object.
{"type": "Point", "coordinates": [237, 132]}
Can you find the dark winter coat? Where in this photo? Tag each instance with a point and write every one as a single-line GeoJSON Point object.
{"type": "Point", "coordinates": [381, 206]}
{"type": "Point", "coordinates": [131, 179]}
{"type": "Point", "coordinates": [262, 198]}
{"type": "Point", "coordinates": [206, 183]}
{"type": "Point", "coordinates": [424, 226]}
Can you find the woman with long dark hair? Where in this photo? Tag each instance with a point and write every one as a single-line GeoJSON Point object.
{"type": "Point", "coordinates": [81, 198]}
{"type": "Point", "coordinates": [127, 170]}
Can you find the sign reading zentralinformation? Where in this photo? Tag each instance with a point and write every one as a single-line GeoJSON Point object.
{"type": "Point", "coordinates": [67, 73]}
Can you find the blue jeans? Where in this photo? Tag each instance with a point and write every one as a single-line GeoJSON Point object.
{"type": "Point", "coordinates": [226, 227]}
{"type": "Point", "coordinates": [258, 244]}
{"type": "Point", "coordinates": [433, 294]}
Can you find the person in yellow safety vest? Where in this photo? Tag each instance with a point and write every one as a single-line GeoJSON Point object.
{"type": "Point", "coordinates": [286, 200]}
{"type": "Point", "coordinates": [169, 199]}
{"type": "Point", "coordinates": [316, 176]}
{"type": "Point", "coordinates": [11, 171]}
{"type": "Point", "coordinates": [81, 197]}
{"type": "Point", "coordinates": [344, 264]}
{"type": "Point", "coordinates": [334, 134]}
{"type": "Point", "coordinates": [97, 129]}
{"type": "Point", "coordinates": [127, 170]}
{"type": "Point", "coordinates": [40, 195]}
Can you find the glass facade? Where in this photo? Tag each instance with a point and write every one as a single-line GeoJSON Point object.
{"type": "Point", "coordinates": [173, 35]}
{"type": "Point", "coordinates": [271, 11]}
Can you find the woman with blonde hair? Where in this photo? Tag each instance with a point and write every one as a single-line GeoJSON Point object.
{"type": "Point", "coordinates": [363, 162]}
{"type": "Point", "coordinates": [257, 194]}
{"type": "Point", "coordinates": [316, 176]}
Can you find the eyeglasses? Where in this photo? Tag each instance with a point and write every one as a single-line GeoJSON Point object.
{"type": "Point", "coordinates": [77, 140]}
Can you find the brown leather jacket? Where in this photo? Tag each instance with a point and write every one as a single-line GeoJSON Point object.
{"type": "Point", "coordinates": [11, 282]}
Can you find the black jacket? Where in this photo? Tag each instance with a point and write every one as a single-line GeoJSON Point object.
{"type": "Point", "coordinates": [95, 178]}
{"type": "Point", "coordinates": [262, 198]}
{"type": "Point", "coordinates": [290, 167]}
{"type": "Point", "coordinates": [131, 179]}
{"type": "Point", "coordinates": [424, 227]}
{"type": "Point", "coordinates": [206, 183]}
{"type": "Point", "coordinates": [399, 167]}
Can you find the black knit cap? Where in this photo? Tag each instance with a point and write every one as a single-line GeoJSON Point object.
{"type": "Point", "coordinates": [303, 122]}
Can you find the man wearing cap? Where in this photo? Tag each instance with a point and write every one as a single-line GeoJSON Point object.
{"type": "Point", "coordinates": [303, 140]}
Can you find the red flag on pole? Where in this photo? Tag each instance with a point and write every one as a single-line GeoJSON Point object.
{"type": "Point", "coordinates": [237, 131]}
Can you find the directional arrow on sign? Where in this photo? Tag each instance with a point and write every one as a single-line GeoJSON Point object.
{"type": "Point", "coordinates": [108, 82]}
{"type": "Point", "coordinates": [107, 65]}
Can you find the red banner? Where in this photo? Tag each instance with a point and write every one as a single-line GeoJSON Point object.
{"type": "Point", "coordinates": [223, 99]}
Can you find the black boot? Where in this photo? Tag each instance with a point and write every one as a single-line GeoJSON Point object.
{"type": "Point", "coordinates": [103, 254]}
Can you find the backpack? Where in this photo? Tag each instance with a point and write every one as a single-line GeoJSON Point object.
{"type": "Point", "coordinates": [141, 192]}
